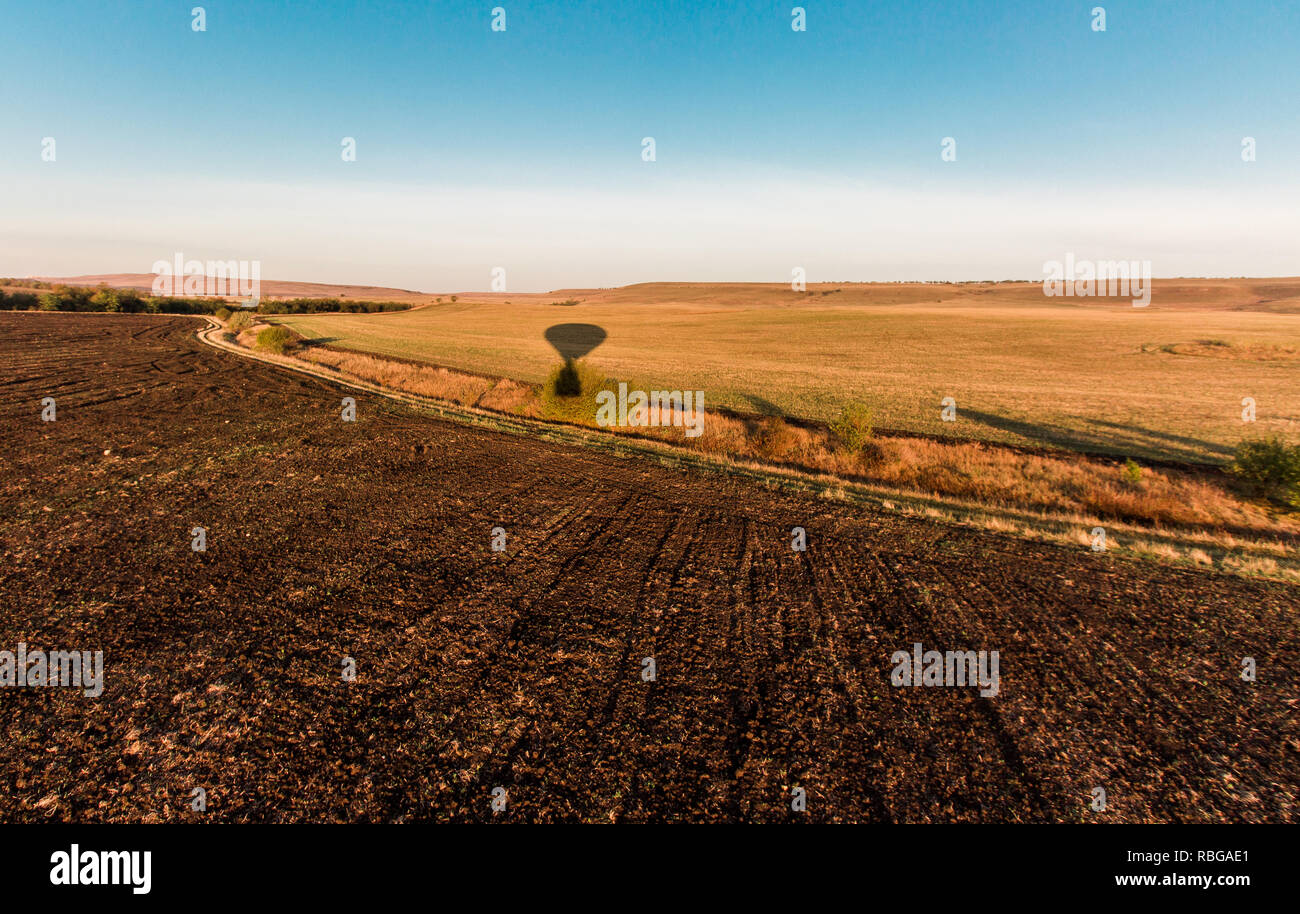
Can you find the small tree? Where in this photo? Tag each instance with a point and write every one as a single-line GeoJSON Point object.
{"type": "Point", "coordinates": [1132, 472]}
{"type": "Point", "coordinates": [106, 299]}
{"type": "Point", "coordinates": [1269, 466]}
{"type": "Point", "coordinates": [854, 428]}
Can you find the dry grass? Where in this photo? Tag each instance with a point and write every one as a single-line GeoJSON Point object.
{"type": "Point", "coordinates": [426, 381]}
{"type": "Point", "coordinates": [1088, 375]}
{"type": "Point", "coordinates": [498, 394]}
{"type": "Point", "coordinates": [1251, 565]}
{"type": "Point", "coordinates": [987, 474]}
{"type": "Point", "coordinates": [1000, 476]}
{"type": "Point", "coordinates": [995, 475]}
{"type": "Point", "coordinates": [514, 397]}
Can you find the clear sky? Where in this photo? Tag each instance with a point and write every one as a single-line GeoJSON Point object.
{"type": "Point", "coordinates": [774, 148]}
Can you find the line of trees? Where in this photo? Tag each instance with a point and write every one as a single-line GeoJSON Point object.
{"type": "Point", "coordinates": [125, 301]}
{"type": "Point", "coordinates": [313, 305]}
{"type": "Point", "coordinates": [40, 296]}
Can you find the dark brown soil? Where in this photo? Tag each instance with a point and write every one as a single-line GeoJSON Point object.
{"type": "Point", "coordinates": [522, 670]}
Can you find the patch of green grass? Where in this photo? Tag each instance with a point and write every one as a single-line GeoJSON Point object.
{"type": "Point", "coordinates": [570, 390]}
{"type": "Point", "coordinates": [274, 339]}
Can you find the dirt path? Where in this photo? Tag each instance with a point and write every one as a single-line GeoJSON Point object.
{"type": "Point", "coordinates": [522, 669]}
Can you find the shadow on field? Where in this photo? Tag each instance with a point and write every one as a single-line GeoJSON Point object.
{"type": "Point", "coordinates": [1110, 437]}
{"type": "Point", "coordinates": [763, 407]}
{"type": "Point", "coordinates": [573, 341]}
{"type": "Point", "coordinates": [1164, 440]}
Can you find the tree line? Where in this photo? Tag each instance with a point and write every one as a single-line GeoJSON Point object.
{"type": "Point", "coordinates": [35, 295]}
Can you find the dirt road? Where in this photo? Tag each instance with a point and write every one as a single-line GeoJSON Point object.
{"type": "Point", "coordinates": [523, 670]}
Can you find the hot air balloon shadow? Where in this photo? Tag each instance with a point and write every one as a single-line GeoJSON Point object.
{"type": "Point", "coordinates": [572, 342]}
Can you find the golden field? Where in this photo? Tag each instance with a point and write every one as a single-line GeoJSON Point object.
{"type": "Point", "coordinates": [1164, 382]}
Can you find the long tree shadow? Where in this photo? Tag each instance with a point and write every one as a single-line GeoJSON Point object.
{"type": "Point", "coordinates": [763, 407]}
{"type": "Point", "coordinates": [1174, 440]}
{"type": "Point", "coordinates": [1111, 438]}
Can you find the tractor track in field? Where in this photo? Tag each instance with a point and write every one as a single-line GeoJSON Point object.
{"type": "Point", "coordinates": [522, 669]}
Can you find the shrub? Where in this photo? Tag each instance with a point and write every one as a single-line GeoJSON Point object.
{"type": "Point", "coordinates": [239, 321]}
{"type": "Point", "coordinates": [854, 428]}
{"type": "Point", "coordinates": [222, 314]}
{"type": "Point", "coordinates": [775, 439]}
{"type": "Point", "coordinates": [106, 299]}
{"type": "Point", "coordinates": [1269, 466]}
{"type": "Point", "coordinates": [569, 393]}
{"type": "Point", "coordinates": [274, 339]}
{"type": "Point", "coordinates": [1132, 472]}
{"type": "Point", "coordinates": [319, 305]}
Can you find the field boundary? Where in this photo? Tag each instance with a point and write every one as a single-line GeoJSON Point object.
{"type": "Point", "coordinates": [1108, 458]}
{"type": "Point", "coordinates": [1183, 548]}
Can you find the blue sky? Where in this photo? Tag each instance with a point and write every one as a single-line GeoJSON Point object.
{"type": "Point", "coordinates": [774, 148]}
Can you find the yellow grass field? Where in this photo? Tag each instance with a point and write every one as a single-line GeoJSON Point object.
{"type": "Point", "coordinates": [1164, 382]}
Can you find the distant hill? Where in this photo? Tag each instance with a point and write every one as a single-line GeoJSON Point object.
{"type": "Point", "coordinates": [1278, 295]}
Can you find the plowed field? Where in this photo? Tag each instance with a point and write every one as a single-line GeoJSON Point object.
{"type": "Point", "coordinates": [522, 669]}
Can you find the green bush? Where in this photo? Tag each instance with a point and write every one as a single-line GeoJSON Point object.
{"type": "Point", "coordinates": [1269, 466]}
{"type": "Point", "coordinates": [1132, 472]}
{"type": "Point", "coordinates": [854, 428]}
{"type": "Point", "coordinates": [274, 339]}
{"type": "Point", "coordinates": [106, 299]}
{"type": "Point", "coordinates": [222, 314]}
{"type": "Point", "coordinates": [569, 393]}
{"type": "Point", "coordinates": [239, 321]}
